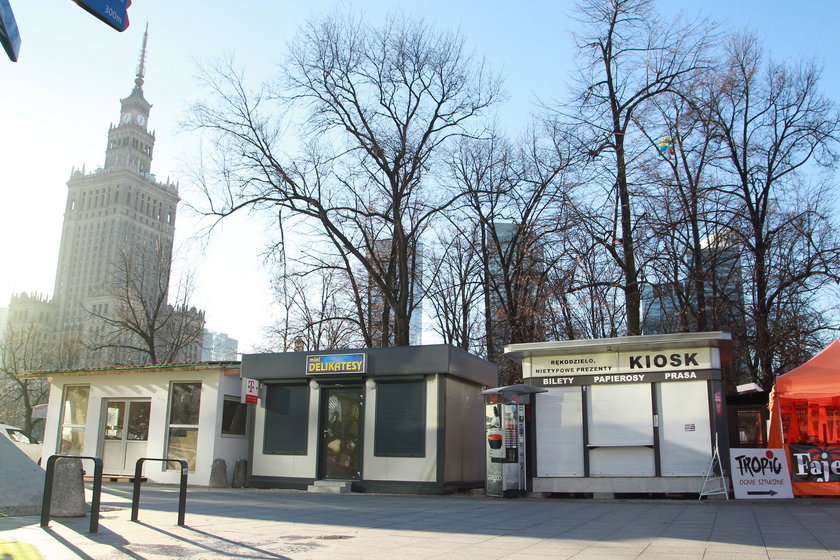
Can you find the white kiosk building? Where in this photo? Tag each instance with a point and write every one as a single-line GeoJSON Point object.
{"type": "Point", "coordinates": [636, 414]}
{"type": "Point", "coordinates": [185, 411]}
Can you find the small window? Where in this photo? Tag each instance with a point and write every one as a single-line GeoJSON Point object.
{"type": "Point", "coordinates": [400, 419]}
{"type": "Point", "coordinates": [74, 419]}
{"type": "Point", "coordinates": [286, 419]}
{"type": "Point", "coordinates": [184, 405]}
{"type": "Point", "coordinates": [234, 414]}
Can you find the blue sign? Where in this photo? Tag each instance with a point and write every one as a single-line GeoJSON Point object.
{"type": "Point", "coordinates": [112, 12]}
{"type": "Point", "coordinates": [9, 35]}
{"type": "Point", "coordinates": [335, 363]}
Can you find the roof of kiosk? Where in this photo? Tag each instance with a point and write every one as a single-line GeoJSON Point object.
{"type": "Point", "coordinates": [227, 367]}
{"type": "Point", "coordinates": [392, 361]}
{"type": "Point", "coordinates": [645, 342]}
{"type": "Point", "coordinates": [517, 389]}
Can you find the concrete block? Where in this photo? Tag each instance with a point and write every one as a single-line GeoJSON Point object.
{"type": "Point", "coordinates": [218, 474]}
{"type": "Point", "coordinates": [240, 473]}
{"type": "Point", "coordinates": [68, 489]}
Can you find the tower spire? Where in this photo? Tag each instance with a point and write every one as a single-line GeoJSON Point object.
{"type": "Point", "coordinates": [141, 67]}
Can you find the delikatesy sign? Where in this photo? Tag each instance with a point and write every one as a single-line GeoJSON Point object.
{"type": "Point", "coordinates": [335, 363]}
{"type": "Point", "coordinates": [759, 473]}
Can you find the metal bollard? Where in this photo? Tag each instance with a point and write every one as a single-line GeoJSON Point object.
{"type": "Point", "coordinates": [97, 490]}
{"type": "Point", "coordinates": [182, 494]}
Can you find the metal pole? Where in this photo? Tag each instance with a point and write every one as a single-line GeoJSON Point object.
{"type": "Point", "coordinates": [135, 496]}
{"type": "Point", "coordinates": [47, 499]}
{"type": "Point", "coordinates": [182, 497]}
{"type": "Point", "coordinates": [97, 492]}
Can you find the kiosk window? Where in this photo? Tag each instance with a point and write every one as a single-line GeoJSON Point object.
{"type": "Point", "coordinates": [286, 419]}
{"type": "Point", "coordinates": [74, 419]}
{"type": "Point", "coordinates": [184, 407]}
{"type": "Point", "coordinates": [234, 414]}
{"type": "Point", "coordinates": [400, 420]}
{"type": "Point", "coordinates": [620, 415]}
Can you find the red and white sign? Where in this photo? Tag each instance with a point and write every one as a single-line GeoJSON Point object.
{"type": "Point", "coordinates": [760, 473]}
{"type": "Point", "coordinates": [39, 411]}
{"type": "Point", "coordinates": [250, 390]}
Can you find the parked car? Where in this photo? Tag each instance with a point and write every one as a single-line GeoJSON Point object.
{"type": "Point", "coordinates": [26, 443]}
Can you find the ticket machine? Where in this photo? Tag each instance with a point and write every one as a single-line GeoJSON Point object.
{"type": "Point", "coordinates": [504, 421]}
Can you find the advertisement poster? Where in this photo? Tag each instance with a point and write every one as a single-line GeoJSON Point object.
{"type": "Point", "coordinates": [814, 463]}
{"type": "Point", "coordinates": [759, 474]}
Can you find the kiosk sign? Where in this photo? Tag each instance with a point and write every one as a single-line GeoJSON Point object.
{"type": "Point", "coordinates": [607, 368]}
{"type": "Point", "coordinates": [760, 473]}
{"type": "Point", "coordinates": [335, 363]}
{"type": "Point", "coordinates": [251, 392]}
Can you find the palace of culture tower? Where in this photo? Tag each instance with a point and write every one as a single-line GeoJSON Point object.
{"type": "Point", "coordinates": [116, 251]}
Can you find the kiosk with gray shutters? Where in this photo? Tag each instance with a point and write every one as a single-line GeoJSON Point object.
{"type": "Point", "coordinates": [403, 419]}
{"type": "Point", "coordinates": [636, 414]}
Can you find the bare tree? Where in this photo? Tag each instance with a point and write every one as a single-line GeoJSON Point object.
{"type": "Point", "coordinates": [22, 349]}
{"type": "Point", "coordinates": [516, 197]}
{"type": "Point", "coordinates": [777, 132]}
{"type": "Point", "coordinates": [454, 287]}
{"type": "Point", "coordinates": [136, 323]}
{"type": "Point", "coordinates": [583, 298]}
{"type": "Point", "coordinates": [379, 105]}
{"type": "Point", "coordinates": [632, 59]}
{"type": "Point", "coordinates": [316, 312]}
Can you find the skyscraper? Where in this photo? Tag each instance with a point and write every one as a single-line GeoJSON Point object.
{"type": "Point", "coordinates": [670, 307]}
{"type": "Point", "coordinates": [119, 227]}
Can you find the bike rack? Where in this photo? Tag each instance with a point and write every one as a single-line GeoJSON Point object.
{"type": "Point", "coordinates": [97, 490]}
{"type": "Point", "coordinates": [182, 495]}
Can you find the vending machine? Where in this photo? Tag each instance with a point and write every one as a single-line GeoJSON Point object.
{"type": "Point", "coordinates": [504, 421]}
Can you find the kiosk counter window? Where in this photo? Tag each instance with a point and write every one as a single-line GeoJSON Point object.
{"type": "Point", "coordinates": [620, 430]}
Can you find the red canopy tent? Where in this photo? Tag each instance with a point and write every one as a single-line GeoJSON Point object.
{"type": "Point", "coordinates": [805, 419]}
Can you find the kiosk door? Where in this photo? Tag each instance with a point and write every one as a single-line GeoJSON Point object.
{"type": "Point", "coordinates": [125, 435]}
{"type": "Point", "coordinates": [341, 428]}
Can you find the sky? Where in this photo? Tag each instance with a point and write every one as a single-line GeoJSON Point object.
{"type": "Point", "coordinates": [58, 100]}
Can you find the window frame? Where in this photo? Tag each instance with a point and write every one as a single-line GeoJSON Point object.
{"type": "Point", "coordinates": [80, 428]}
{"type": "Point", "coordinates": [241, 406]}
{"type": "Point", "coordinates": [170, 426]}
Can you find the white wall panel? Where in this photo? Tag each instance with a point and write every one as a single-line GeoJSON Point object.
{"type": "Point", "coordinates": [684, 431]}
{"type": "Point", "coordinates": [559, 432]}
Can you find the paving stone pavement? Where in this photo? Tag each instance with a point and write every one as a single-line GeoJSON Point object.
{"type": "Point", "coordinates": [285, 524]}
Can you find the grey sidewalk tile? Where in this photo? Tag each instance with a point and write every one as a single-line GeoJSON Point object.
{"type": "Point", "coordinates": [652, 555]}
{"type": "Point", "coordinates": [793, 554]}
{"type": "Point", "coordinates": [602, 553]}
{"type": "Point", "coordinates": [732, 555]}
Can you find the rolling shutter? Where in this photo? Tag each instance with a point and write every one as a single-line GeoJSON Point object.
{"type": "Point", "coordinates": [286, 419]}
{"type": "Point", "coordinates": [400, 419]}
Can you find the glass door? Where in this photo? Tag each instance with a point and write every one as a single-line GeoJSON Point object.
{"type": "Point", "coordinates": [125, 435]}
{"type": "Point", "coordinates": [341, 423]}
